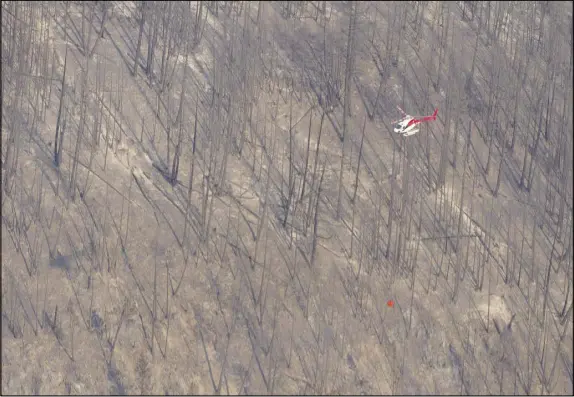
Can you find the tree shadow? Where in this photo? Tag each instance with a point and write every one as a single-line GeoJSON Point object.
{"type": "Point", "coordinates": [117, 386]}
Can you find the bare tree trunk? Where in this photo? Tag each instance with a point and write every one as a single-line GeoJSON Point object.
{"type": "Point", "coordinates": [359, 162]}
{"type": "Point", "coordinates": [154, 311]}
{"type": "Point", "coordinates": [428, 145]}
{"type": "Point", "coordinates": [461, 203]}
{"type": "Point", "coordinates": [80, 130]}
{"type": "Point", "coordinates": [192, 160]}
{"type": "Point", "coordinates": [443, 39]}
{"type": "Point", "coordinates": [140, 34]}
{"type": "Point", "coordinates": [100, 112]}
{"type": "Point", "coordinates": [104, 8]}
{"type": "Point", "coordinates": [391, 205]}
{"type": "Point", "coordinates": [501, 162]}
{"type": "Point", "coordinates": [259, 12]}
{"type": "Point", "coordinates": [521, 78]}
{"type": "Point", "coordinates": [206, 192]}
{"type": "Point", "coordinates": [315, 167]}
{"type": "Point", "coordinates": [263, 216]}
{"type": "Point", "coordinates": [568, 281]}
{"type": "Point", "coordinates": [167, 38]}
{"type": "Point", "coordinates": [549, 107]}
{"type": "Point", "coordinates": [374, 110]}
{"type": "Point", "coordinates": [83, 27]}
{"type": "Point", "coordinates": [175, 164]}
{"type": "Point", "coordinates": [347, 101]}
{"type": "Point", "coordinates": [356, 185]}
{"type": "Point", "coordinates": [404, 207]}
{"type": "Point", "coordinates": [59, 134]}
{"type": "Point", "coordinates": [514, 119]}
{"type": "Point", "coordinates": [199, 25]}
{"type": "Point", "coordinates": [316, 218]}
{"type": "Point", "coordinates": [167, 126]}
{"type": "Point", "coordinates": [12, 151]}
{"type": "Point", "coordinates": [492, 114]}
{"type": "Point", "coordinates": [533, 157]}
{"type": "Point", "coordinates": [291, 186]}
{"type": "Point", "coordinates": [524, 162]}
{"type": "Point", "coordinates": [306, 157]}
{"type": "Point", "coordinates": [472, 68]}
{"type": "Point", "coordinates": [152, 40]}
{"type": "Point", "coordinates": [444, 144]}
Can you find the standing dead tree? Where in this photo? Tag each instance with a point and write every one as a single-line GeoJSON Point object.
{"type": "Point", "coordinates": [179, 123]}
{"type": "Point", "coordinates": [445, 13]}
{"type": "Point", "coordinates": [356, 184]}
{"type": "Point", "coordinates": [59, 138]}
{"type": "Point", "coordinates": [21, 49]}
{"type": "Point", "coordinates": [450, 96]}
{"type": "Point", "coordinates": [82, 123]}
{"type": "Point", "coordinates": [200, 22]}
{"type": "Point", "coordinates": [291, 181]}
{"type": "Point", "coordinates": [142, 7]}
{"type": "Point", "coordinates": [347, 101]}
{"type": "Point", "coordinates": [304, 179]}
{"type": "Point", "coordinates": [314, 177]}
{"type": "Point", "coordinates": [316, 217]}
{"type": "Point", "coordinates": [332, 73]}
{"type": "Point", "coordinates": [173, 31]}
{"type": "Point", "coordinates": [491, 122]}
{"type": "Point", "coordinates": [89, 11]}
{"type": "Point", "coordinates": [153, 30]}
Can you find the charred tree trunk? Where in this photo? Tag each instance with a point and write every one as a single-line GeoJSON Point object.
{"type": "Point", "coordinates": [316, 218]}
{"type": "Point", "coordinates": [59, 132]}
{"type": "Point", "coordinates": [347, 100]}
{"type": "Point", "coordinates": [140, 34]}
{"type": "Point", "coordinates": [306, 157]}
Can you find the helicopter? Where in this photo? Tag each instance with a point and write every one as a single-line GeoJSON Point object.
{"type": "Point", "coordinates": [409, 125]}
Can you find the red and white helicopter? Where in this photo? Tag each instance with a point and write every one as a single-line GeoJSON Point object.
{"type": "Point", "coordinates": [409, 125]}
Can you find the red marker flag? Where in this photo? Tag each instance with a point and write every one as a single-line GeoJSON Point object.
{"type": "Point", "coordinates": [390, 303]}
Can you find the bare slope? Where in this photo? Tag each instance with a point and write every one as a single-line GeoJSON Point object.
{"type": "Point", "coordinates": [242, 271]}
